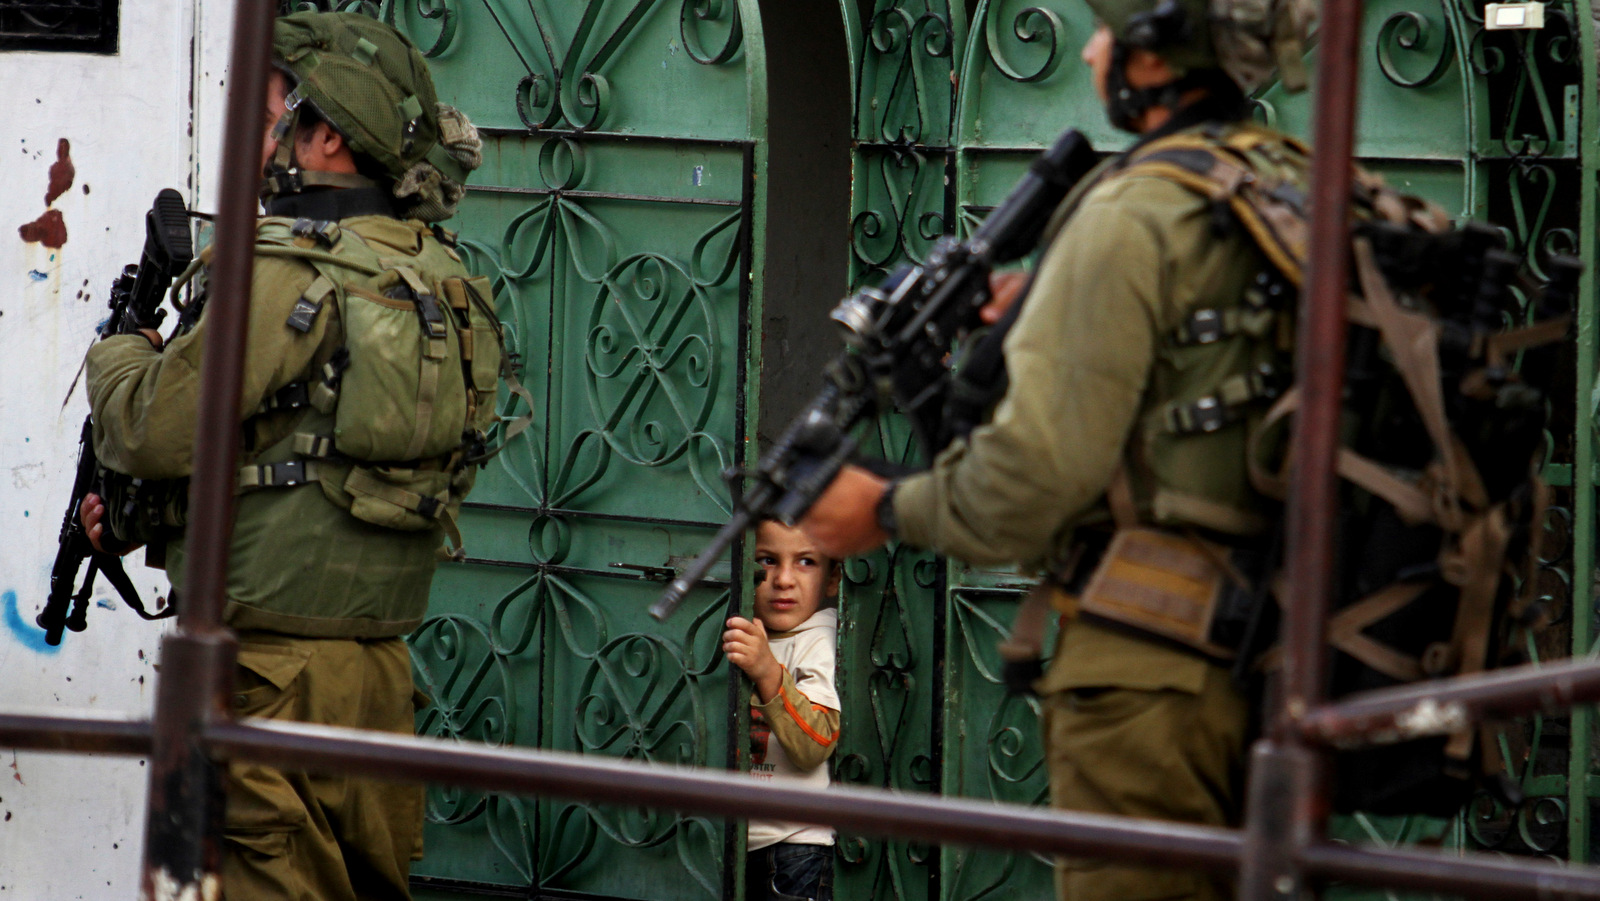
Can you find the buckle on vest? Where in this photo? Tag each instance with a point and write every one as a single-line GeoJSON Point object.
{"type": "Point", "coordinates": [292, 472]}
{"type": "Point", "coordinates": [321, 231]}
{"type": "Point", "coordinates": [1207, 414]}
{"type": "Point", "coordinates": [1204, 327]}
{"type": "Point", "coordinates": [432, 316]}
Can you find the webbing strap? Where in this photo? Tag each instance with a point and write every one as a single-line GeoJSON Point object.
{"type": "Point", "coordinates": [1026, 640]}
{"type": "Point", "coordinates": [1273, 214]}
{"type": "Point", "coordinates": [279, 475]}
{"type": "Point", "coordinates": [293, 396]}
{"type": "Point", "coordinates": [317, 447]}
{"type": "Point", "coordinates": [305, 311]}
{"type": "Point", "coordinates": [1119, 496]}
{"type": "Point", "coordinates": [1224, 405]}
{"type": "Point", "coordinates": [1413, 343]}
{"type": "Point", "coordinates": [1210, 325]}
{"type": "Point", "coordinates": [1499, 347]}
{"type": "Point", "coordinates": [1408, 499]}
{"type": "Point", "coordinates": [1346, 630]}
{"type": "Point", "coordinates": [1474, 566]}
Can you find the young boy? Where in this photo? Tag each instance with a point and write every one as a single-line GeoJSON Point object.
{"type": "Point", "coordinates": [788, 654]}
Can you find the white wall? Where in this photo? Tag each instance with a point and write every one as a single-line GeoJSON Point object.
{"type": "Point", "coordinates": [71, 826]}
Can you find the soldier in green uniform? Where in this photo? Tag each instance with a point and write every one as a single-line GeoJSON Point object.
{"type": "Point", "coordinates": [1126, 413]}
{"type": "Point", "coordinates": [371, 353]}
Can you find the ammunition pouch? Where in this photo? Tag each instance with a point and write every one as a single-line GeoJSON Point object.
{"type": "Point", "coordinates": [1177, 587]}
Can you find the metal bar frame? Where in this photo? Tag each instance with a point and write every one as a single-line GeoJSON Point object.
{"type": "Point", "coordinates": [1278, 853]}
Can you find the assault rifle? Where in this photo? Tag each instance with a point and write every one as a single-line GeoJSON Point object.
{"type": "Point", "coordinates": [898, 338]}
{"type": "Point", "coordinates": [136, 297]}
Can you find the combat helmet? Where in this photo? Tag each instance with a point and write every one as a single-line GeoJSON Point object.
{"type": "Point", "coordinates": [372, 84]}
{"type": "Point", "coordinates": [1243, 40]}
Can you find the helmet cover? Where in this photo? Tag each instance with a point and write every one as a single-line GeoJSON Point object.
{"type": "Point", "coordinates": [1247, 39]}
{"type": "Point", "coordinates": [366, 79]}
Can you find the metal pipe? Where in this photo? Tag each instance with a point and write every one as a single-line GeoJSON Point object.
{"type": "Point", "coordinates": [85, 734]}
{"type": "Point", "coordinates": [729, 794]}
{"type": "Point", "coordinates": [1286, 801]}
{"type": "Point", "coordinates": [1320, 360]}
{"type": "Point", "coordinates": [210, 528]}
{"type": "Point", "coordinates": [183, 822]}
{"type": "Point", "coordinates": [1389, 715]}
{"type": "Point", "coordinates": [1471, 875]}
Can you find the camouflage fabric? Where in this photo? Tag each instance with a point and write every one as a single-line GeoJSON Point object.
{"type": "Point", "coordinates": [1247, 39]}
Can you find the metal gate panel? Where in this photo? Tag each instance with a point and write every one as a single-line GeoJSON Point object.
{"type": "Point", "coordinates": [904, 54]}
{"type": "Point", "coordinates": [614, 212]}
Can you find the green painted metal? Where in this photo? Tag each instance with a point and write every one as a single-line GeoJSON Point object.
{"type": "Point", "coordinates": [615, 211]}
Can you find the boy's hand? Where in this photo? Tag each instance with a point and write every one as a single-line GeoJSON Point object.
{"type": "Point", "coordinates": [745, 643]}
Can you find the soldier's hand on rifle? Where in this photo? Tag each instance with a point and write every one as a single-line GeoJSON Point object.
{"type": "Point", "coordinates": [153, 336]}
{"type": "Point", "coordinates": [91, 512]}
{"type": "Point", "coordinates": [844, 520]}
{"type": "Point", "coordinates": [1004, 289]}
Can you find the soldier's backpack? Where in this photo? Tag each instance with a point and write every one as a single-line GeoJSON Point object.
{"type": "Point", "coordinates": [1450, 359]}
{"type": "Point", "coordinates": [394, 424]}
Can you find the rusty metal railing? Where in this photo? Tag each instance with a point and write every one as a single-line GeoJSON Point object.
{"type": "Point", "coordinates": [1280, 853]}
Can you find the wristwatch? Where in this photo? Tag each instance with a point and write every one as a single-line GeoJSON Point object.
{"type": "Point", "coordinates": [885, 510]}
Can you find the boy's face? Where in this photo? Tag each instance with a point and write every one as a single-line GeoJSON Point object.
{"type": "Point", "coordinates": [798, 577]}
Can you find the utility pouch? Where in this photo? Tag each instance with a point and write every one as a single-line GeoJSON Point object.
{"type": "Point", "coordinates": [403, 396]}
{"type": "Point", "coordinates": [1172, 585]}
{"type": "Point", "coordinates": [409, 500]}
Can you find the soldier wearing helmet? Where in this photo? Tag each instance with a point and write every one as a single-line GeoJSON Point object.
{"type": "Point", "coordinates": [346, 494]}
{"type": "Point", "coordinates": [1115, 463]}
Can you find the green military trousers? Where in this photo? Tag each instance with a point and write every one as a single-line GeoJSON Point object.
{"type": "Point", "coordinates": [1140, 729]}
{"type": "Point", "coordinates": [294, 836]}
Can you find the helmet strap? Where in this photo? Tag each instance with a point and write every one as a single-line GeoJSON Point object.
{"type": "Point", "coordinates": [1125, 104]}
{"type": "Point", "coordinates": [283, 175]}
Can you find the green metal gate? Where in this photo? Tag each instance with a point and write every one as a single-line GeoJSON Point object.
{"type": "Point", "coordinates": [614, 211]}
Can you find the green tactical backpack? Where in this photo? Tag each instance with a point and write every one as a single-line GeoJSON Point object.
{"type": "Point", "coordinates": [395, 421]}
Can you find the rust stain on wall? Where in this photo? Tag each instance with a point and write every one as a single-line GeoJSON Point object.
{"type": "Point", "coordinates": [49, 230]}
{"type": "Point", "coordinates": [62, 172]}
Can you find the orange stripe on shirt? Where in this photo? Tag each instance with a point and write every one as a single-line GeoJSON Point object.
{"type": "Point", "coordinates": [800, 721]}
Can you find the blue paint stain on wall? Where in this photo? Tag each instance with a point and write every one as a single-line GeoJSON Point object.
{"type": "Point", "coordinates": [37, 276]}
{"type": "Point", "coordinates": [30, 635]}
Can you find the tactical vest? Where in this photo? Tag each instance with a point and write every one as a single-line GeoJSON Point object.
{"type": "Point", "coordinates": [393, 419]}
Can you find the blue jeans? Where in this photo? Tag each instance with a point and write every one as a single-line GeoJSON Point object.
{"type": "Point", "coordinates": [785, 872]}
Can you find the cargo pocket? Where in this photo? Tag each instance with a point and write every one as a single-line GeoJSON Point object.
{"type": "Point", "coordinates": [264, 684]}
{"type": "Point", "coordinates": [264, 810]}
